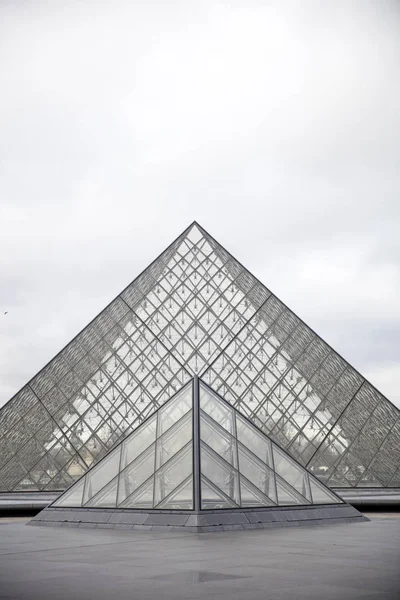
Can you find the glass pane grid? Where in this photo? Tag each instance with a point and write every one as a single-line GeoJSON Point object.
{"type": "Point", "coordinates": [151, 466]}
{"type": "Point", "coordinates": [243, 465]}
{"type": "Point", "coordinates": [196, 310]}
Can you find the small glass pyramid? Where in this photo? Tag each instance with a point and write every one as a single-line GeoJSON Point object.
{"type": "Point", "coordinates": [196, 452]}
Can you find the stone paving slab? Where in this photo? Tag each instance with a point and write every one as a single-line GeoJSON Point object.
{"type": "Point", "coordinates": [345, 561]}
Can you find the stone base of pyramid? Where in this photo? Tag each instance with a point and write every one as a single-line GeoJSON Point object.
{"type": "Point", "coordinates": [204, 522]}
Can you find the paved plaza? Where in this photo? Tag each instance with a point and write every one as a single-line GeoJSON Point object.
{"type": "Point", "coordinates": [360, 560]}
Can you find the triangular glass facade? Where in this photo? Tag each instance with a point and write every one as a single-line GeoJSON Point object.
{"type": "Point", "coordinates": [151, 468]}
{"type": "Point", "coordinates": [241, 467]}
{"type": "Point", "coordinates": [155, 466]}
{"type": "Point", "coordinates": [197, 311]}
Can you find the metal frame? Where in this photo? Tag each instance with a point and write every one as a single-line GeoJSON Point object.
{"type": "Point", "coordinates": [195, 287]}
{"type": "Point", "coordinates": [88, 502]}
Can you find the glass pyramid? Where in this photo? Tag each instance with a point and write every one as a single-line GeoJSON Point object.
{"type": "Point", "coordinates": [197, 311]}
{"type": "Point", "coordinates": [196, 453]}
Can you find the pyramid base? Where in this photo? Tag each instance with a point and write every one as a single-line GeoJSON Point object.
{"type": "Point", "coordinates": [202, 522]}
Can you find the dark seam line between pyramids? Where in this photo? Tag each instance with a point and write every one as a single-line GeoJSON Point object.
{"type": "Point", "coordinates": [196, 436]}
{"type": "Point", "coordinates": [266, 436]}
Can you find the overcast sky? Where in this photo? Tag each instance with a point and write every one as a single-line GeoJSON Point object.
{"type": "Point", "coordinates": [275, 124]}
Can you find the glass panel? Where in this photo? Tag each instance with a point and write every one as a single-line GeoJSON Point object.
{"type": "Point", "coordinates": [102, 474]}
{"type": "Point", "coordinates": [181, 498]}
{"type": "Point", "coordinates": [250, 496]}
{"type": "Point", "coordinates": [199, 305]}
{"type": "Point", "coordinates": [137, 442]}
{"type": "Point", "coordinates": [106, 498]}
{"type": "Point", "coordinates": [291, 472]}
{"type": "Point", "coordinates": [142, 498]}
{"type": "Point", "coordinates": [286, 496]}
{"type": "Point", "coordinates": [172, 441]}
{"type": "Point", "coordinates": [175, 409]}
{"type": "Point", "coordinates": [222, 475]}
{"type": "Point", "coordinates": [257, 473]}
{"type": "Point", "coordinates": [220, 441]}
{"type": "Point", "coordinates": [72, 497]}
{"type": "Point", "coordinates": [368, 480]}
{"type": "Point", "coordinates": [136, 474]}
{"type": "Point", "coordinates": [217, 410]}
{"type": "Point", "coordinates": [253, 440]}
{"type": "Point", "coordinates": [173, 473]}
{"type": "Point", "coordinates": [321, 495]}
{"type": "Point", "coordinates": [212, 498]}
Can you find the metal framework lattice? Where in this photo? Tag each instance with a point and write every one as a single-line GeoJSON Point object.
{"type": "Point", "coordinates": [197, 311]}
{"type": "Point", "coordinates": [196, 453]}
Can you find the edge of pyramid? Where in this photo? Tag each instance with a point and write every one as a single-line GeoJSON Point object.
{"type": "Point", "coordinates": [285, 452]}
{"type": "Point", "coordinates": [181, 235]}
{"type": "Point", "coordinates": [197, 520]}
{"type": "Point", "coordinates": [365, 380]}
{"type": "Point", "coordinates": [112, 449]}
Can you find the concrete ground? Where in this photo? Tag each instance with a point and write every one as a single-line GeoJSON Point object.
{"type": "Point", "coordinates": [358, 560]}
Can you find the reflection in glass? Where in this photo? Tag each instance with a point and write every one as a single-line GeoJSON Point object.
{"type": "Point", "coordinates": [220, 473]}
{"type": "Point", "coordinates": [217, 410]}
{"type": "Point", "coordinates": [138, 441]}
{"type": "Point", "coordinates": [212, 497]}
{"type": "Point", "coordinates": [172, 474]}
{"type": "Point", "coordinates": [97, 478]}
